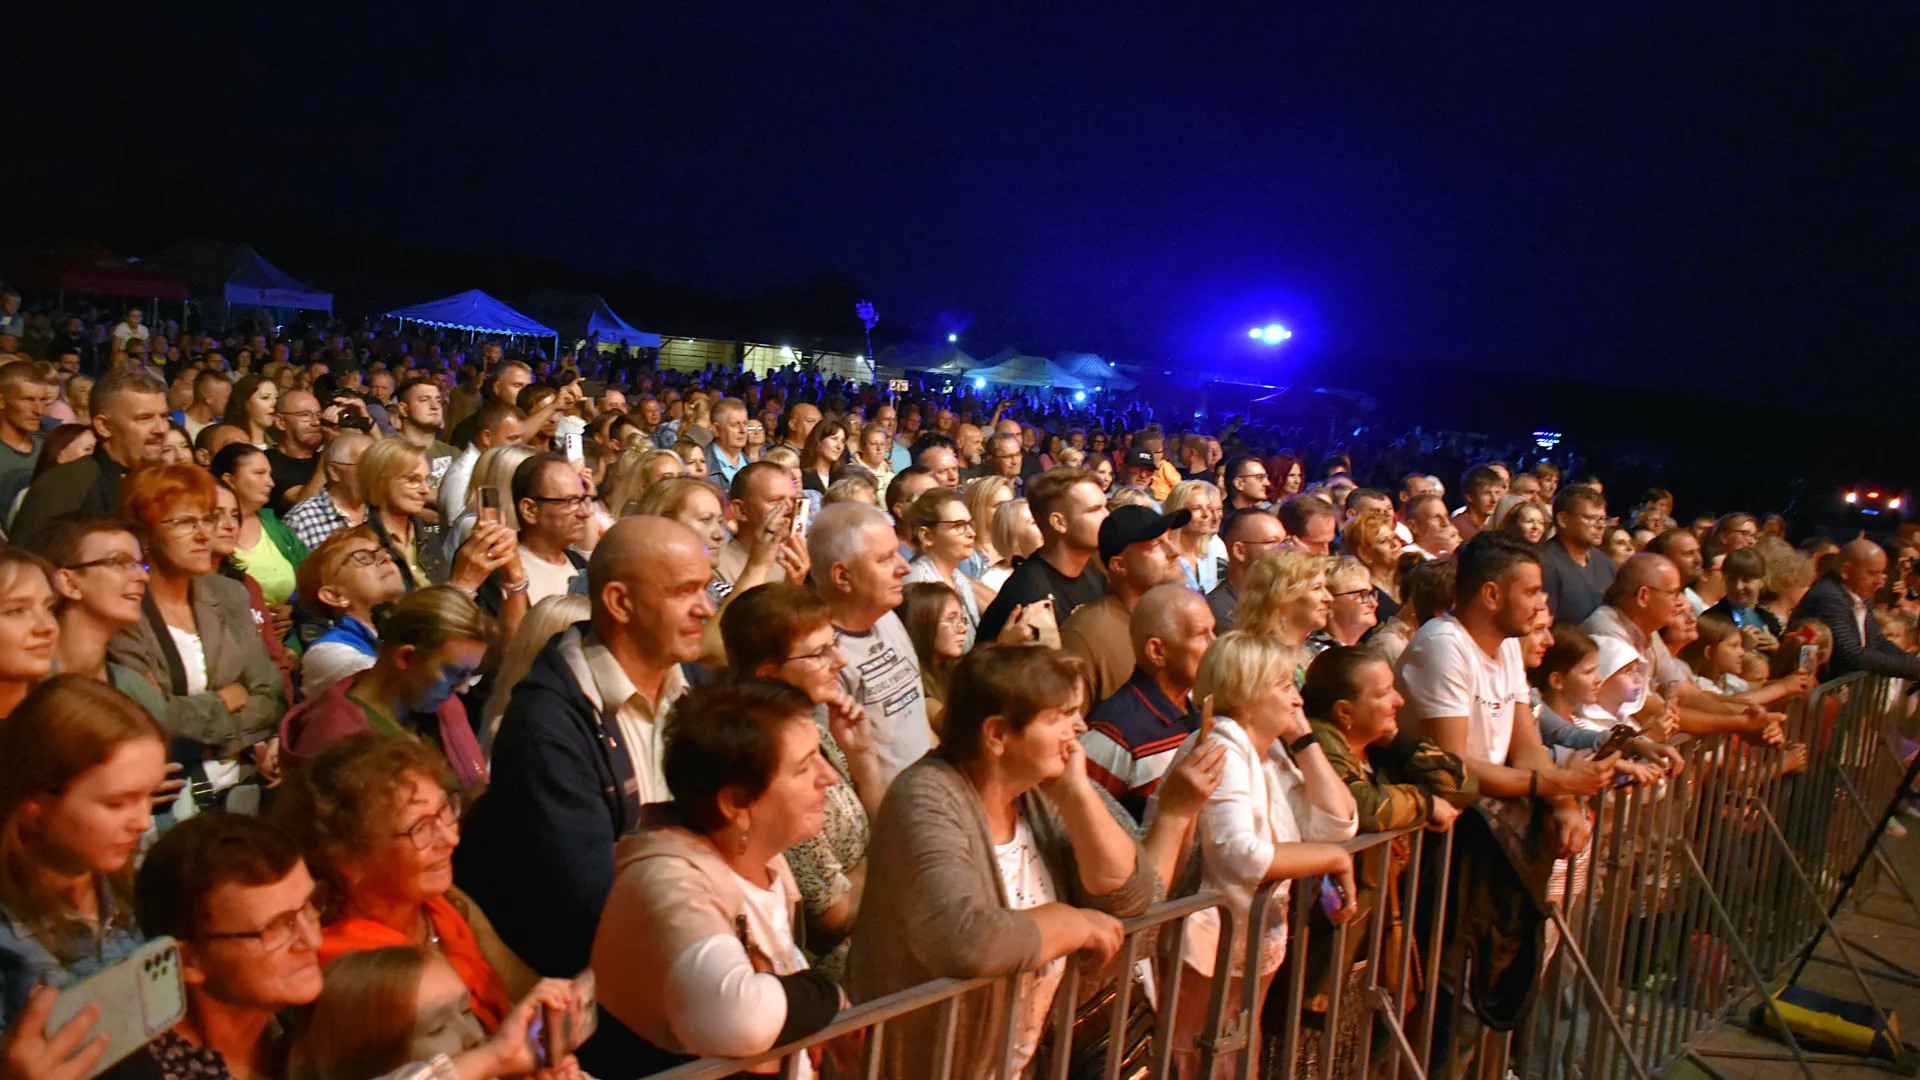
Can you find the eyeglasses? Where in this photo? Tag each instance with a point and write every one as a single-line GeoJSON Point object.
{"type": "Point", "coordinates": [1367, 595]}
{"type": "Point", "coordinates": [415, 481]}
{"type": "Point", "coordinates": [569, 502]}
{"type": "Point", "coordinates": [1590, 519]}
{"type": "Point", "coordinates": [188, 526]}
{"type": "Point", "coordinates": [957, 524]}
{"type": "Point", "coordinates": [117, 562]}
{"type": "Point", "coordinates": [447, 817]}
{"type": "Point", "coordinates": [827, 654]}
{"type": "Point", "coordinates": [369, 556]}
{"type": "Point", "coordinates": [279, 931]}
{"type": "Point", "coordinates": [955, 621]}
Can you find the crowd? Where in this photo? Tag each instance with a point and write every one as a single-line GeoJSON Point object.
{"type": "Point", "coordinates": [428, 694]}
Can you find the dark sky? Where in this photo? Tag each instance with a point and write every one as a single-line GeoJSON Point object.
{"type": "Point", "coordinates": [1719, 191]}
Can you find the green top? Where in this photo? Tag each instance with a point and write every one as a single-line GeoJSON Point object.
{"type": "Point", "coordinates": [1413, 772]}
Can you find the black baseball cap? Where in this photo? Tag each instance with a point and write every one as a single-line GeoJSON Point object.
{"type": "Point", "coordinates": [1130, 525]}
{"type": "Point", "coordinates": [1138, 459]}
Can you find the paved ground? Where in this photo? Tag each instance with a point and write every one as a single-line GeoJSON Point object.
{"type": "Point", "coordinates": [1879, 920]}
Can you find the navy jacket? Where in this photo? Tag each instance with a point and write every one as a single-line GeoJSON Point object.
{"type": "Point", "coordinates": [1831, 603]}
{"type": "Point", "coordinates": [536, 853]}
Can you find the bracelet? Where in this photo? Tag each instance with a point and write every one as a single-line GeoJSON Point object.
{"type": "Point", "coordinates": [1533, 785]}
{"type": "Point", "coordinates": [516, 590]}
{"type": "Point", "coordinates": [1299, 745]}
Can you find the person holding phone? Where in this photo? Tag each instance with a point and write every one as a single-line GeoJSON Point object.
{"type": "Point", "coordinates": [83, 761]}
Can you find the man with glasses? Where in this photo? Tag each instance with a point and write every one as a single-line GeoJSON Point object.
{"type": "Point", "coordinates": [1005, 458]}
{"type": "Point", "coordinates": [130, 425]}
{"type": "Point", "coordinates": [237, 895]}
{"type": "Point", "coordinates": [1247, 535]}
{"type": "Point", "coordinates": [551, 501]}
{"type": "Point", "coordinates": [1575, 572]}
{"type": "Point", "coordinates": [294, 456]}
{"type": "Point", "coordinates": [99, 583]}
{"type": "Point", "coordinates": [339, 504]}
{"type": "Point", "coordinates": [1246, 484]}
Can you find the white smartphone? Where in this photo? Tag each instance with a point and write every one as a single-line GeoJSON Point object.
{"type": "Point", "coordinates": [576, 448]}
{"type": "Point", "coordinates": [139, 998]}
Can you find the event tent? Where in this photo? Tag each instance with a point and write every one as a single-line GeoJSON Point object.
{"type": "Point", "coordinates": [228, 275]}
{"type": "Point", "coordinates": [941, 359]}
{"type": "Point", "coordinates": [580, 315]}
{"type": "Point", "coordinates": [85, 268]}
{"type": "Point", "coordinates": [1009, 368]}
{"type": "Point", "coordinates": [1092, 370]}
{"type": "Point", "coordinates": [476, 311]}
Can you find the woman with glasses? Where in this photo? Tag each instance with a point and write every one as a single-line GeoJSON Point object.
{"type": "Point", "coordinates": [251, 407]}
{"type": "Point", "coordinates": [431, 645]}
{"type": "Point", "coordinates": [75, 799]}
{"type": "Point", "coordinates": [1198, 544]}
{"type": "Point", "coordinates": [197, 640]}
{"type": "Point", "coordinates": [937, 627]}
{"type": "Point", "coordinates": [345, 579]}
{"type": "Point", "coordinates": [99, 584]}
{"type": "Point", "coordinates": [395, 480]}
{"type": "Point", "coordinates": [378, 823]}
{"type": "Point", "coordinates": [28, 629]}
{"type": "Point", "coordinates": [265, 548]}
{"type": "Point", "coordinates": [941, 529]}
{"type": "Point", "coordinates": [1370, 538]}
{"type": "Point", "coordinates": [1355, 607]}
{"type": "Point", "coordinates": [782, 631]}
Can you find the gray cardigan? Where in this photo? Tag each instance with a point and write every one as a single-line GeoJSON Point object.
{"type": "Point", "coordinates": [235, 654]}
{"type": "Point", "coordinates": [935, 907]}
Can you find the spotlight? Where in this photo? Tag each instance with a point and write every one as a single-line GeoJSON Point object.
{"type": "Point", "coordinates": [1081, 395]}
{"type": "Point", "coordinates": [1893, 503]}
{"type": "Point", "coordinates": [979, 384]}
{"type": "Point", "coordinates": [951, 338]}
{"type": "Point", "coordinates": [1270, 334]}
{"type": "Point", "coordinates": [1853, 496]}
{"type": "Point", "coordinates": [1254, 333]}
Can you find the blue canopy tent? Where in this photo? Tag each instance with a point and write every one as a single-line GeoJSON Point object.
{"type": "Point", "coordinates": [475, 312]}
{"type": "Point", "coordinates": [580, 315]}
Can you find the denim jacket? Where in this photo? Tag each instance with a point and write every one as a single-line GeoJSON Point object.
{"type": "Point", "coordinates": [26, 961]}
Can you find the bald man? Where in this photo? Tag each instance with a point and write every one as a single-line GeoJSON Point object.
{"type": "Point", "coordinates": [579, 749]}
{"type": "Point", "coordinates": [1131, 737]}
{"type": "Point", "coordinates": [339, 504]}
{"type": "Point", "coordinates": [1844, 601]}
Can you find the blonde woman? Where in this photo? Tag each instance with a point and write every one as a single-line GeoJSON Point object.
{"type": "Point", "coordinates": [634, 472]}
{"type": "Point", "coordinates": [875, 453]}
{"type": "Point", "coordinates": [789, 459]}
{"type": "Point", "coordinates": [1354, 609]}
{"type": "Point", "coordinates": [984, 496]}
{"type": "Point", "coordinates": [543, 621]}
{"type": "Point", "coordinates": [1279, 812]}
{"type": "Point", "coordinates": [396, 482]}
{"type": "Point", "coordinates": [493, 469]}
{"type": "Point", "coordinates": [1198, 545]}
{"type": "Point", "coordinates": [1286, 598]}
{"type": "Point", "coordinates": [941, 532]}
{"type": "Point", "coordinates": [1015, 537]}
{"type": "Point", "coordinates": [698, 426]}
{"type": "Point", "coordinates": [1371, 539]}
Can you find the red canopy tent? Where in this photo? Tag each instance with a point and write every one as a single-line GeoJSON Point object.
{"type": "Point", "coordinates": [87, 268]}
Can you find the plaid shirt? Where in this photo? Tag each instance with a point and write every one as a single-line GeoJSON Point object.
{"type": "Point", "coordinates": [315, 519]}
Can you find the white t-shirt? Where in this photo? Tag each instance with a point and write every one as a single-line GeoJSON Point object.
{"type": "Point", "coordinates": [221, 775]}
{"type": "Point", "coordinates": [883, 675]}
{"type": "Point", "coordinates": [718, 1003]}
{"type": "Point", "coordinates": [1443, 673]}
{"type": "Point", "coordinates": [545, 579]}
{"type": "Point", "coordinates": [1024, 874]}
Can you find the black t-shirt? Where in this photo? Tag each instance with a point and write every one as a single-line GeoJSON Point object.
{"type": "Point", "coordinates": [289, 473]}
{"type": "Point", "coordinates": [1034, 580]}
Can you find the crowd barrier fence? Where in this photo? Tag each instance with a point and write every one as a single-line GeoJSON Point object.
{"type": "Point", "coordinates": [1694, 900]}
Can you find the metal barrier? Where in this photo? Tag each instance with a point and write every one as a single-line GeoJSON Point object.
{"type": "Point", "coordinates": [1695, 895]}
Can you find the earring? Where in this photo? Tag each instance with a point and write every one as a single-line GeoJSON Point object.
{"type": "Point", "coordinates": [743, 840]}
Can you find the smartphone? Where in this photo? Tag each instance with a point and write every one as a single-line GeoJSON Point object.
{"type": "Point", "coordinates": [1810, 659]}
{"type": "Point", "coordinates": [537, 1039]}
{"type": "Point", "coordinates": [802, 515]}
{"type": "Point", "coordinates": [1331, 899]}
{"type": "Point", "coordinates": [492, 501]}
{"type": "Point", "coordinates": [593, 388]}
{"type": "Point", "coordinates": [139, 998]}
{"type": "Point", "coordinates": [576, 448]}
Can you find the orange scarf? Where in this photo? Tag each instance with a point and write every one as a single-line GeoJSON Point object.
{"type": "Point", "coordinates": [457, 943]}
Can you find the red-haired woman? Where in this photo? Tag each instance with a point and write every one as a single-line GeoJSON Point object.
{"type": "Point", "coordinates": [198, 642]}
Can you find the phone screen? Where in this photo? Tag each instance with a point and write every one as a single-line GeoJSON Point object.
{"type": "Point", "coordinates": [491, 501]}
{"type": "Point", "coordinates": [1810, 658]}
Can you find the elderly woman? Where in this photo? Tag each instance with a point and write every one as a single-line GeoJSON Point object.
{"type": "Point", "coordinates": [696, 953]}
{"type": "Point", "coordinates": [1285, 597]}
{"type": "Point", "coordinates": [1353, 609]}
{"type": "Point", "coordinates": [343, 581]}
{"type": "Point", "coordinates": [378, 823]}
{"type": "Point", "coordinates": [198, 642]}
{"type": "Point", "coordinates": [781, 631]}
{"type": "Point", "coordinates": [431, 644]}
{"type": "Point", "coordinates": [83, 761]}
{"type": "Point", "coordinates": [1278, 813]}
{"type": "Point", "coordinates": [942, 534]}
{"type": "Point", "coordinates": [1000, 856]}
{"type": "Point", "coordinates": [984, 496]}
{"type": "Point", "coordinates": [875, 454]}
{"type": "Point", "coordinates": [1370, 538]}
{"type": "Point", "coordinates": [266, 549]}
{"type": "Point", "coordinates": [1198, 544]}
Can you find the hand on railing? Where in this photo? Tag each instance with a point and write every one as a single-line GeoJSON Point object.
{"type": "Point", "coordinates": [1569, 830]}
{"type": "Point", "coordinates": [1637, 772]}
{"type": "Point", "coordinates": [1441, 814]}
{"type": "Point", "coordinates": [1583, 774]}
{"type": "Point", "coordinates": [1668, 759]}
{"type": "Point", "coordinates": [1104, 937]}
{"type": "Point", "coordinates": [1763, 727]}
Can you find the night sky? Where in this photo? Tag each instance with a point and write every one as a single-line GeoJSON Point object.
{"type": "Point", "coordinates": [1709, 193]}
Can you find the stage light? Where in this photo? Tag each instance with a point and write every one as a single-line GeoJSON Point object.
{"type": "Point", "coordinates": [1893, 504]}
{"type": "Point", "coordinates": [1079, 395]}
{"type": "Point", "coordinates": [1270, 334]}
{"type": "Point", "coordinates": [951, 338]}
{"type": "Point", "coordinates": [786, 352]}
{"type": "Point", "coordinates": [1254, 333]}
{"type": "Point", "coordinates": [979, 384]}
{"type": "Point", "coordinates": [1873, 494]}
{"type": "Point", "coordinates": [1852, 497]}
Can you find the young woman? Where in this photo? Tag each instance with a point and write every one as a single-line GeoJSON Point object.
{"type": "Point", "coordinates": [1198, 545]}
{"type": "Point", "coordinates": [696, 952]}
{"type": "Point", "coordinates": [275, 623]}
{"type": "Point", "coordinates": [1015, 537]}
{"type": "Point", "coordinates": [1289, 476]}
{"type": "Point", "coordinates": [251, 407]}
{"type": "Point", "coordinates": [1370, 538]}
{"type": "Point", "coordinates": [826, 445]}
{"type": "Point", "coordinates": [1618, 544]}
{"type": "Point", "coordinates": [28, 629]}
{"type": "Point", "coordinates": [942, 533]}
{"type": "Point", "coordinates": [431, 644]}
{"type": "Point", "coordinates": [937, 626]}
{"type": "Point", "coordinates": [266, 549]}
{"type": "Point", "coordinates": [1102, 469]}
{"type": "Point", "coordinates": [999, 856]}
{"type": "Point", "coordinates": [378, 824]}
{"type": "Point", "coordinates": [83, 762]}
{"type": "Point", "coordinates": [1525, 518]}
{"type": "Point", "coordinates": [1279, 813]}
{"type": "Point", "coordinates": [984, 496]}
{"type": "Point", "coordinates": [876, 451]}
{"type": "Point", "coordinates": [100, 582]}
